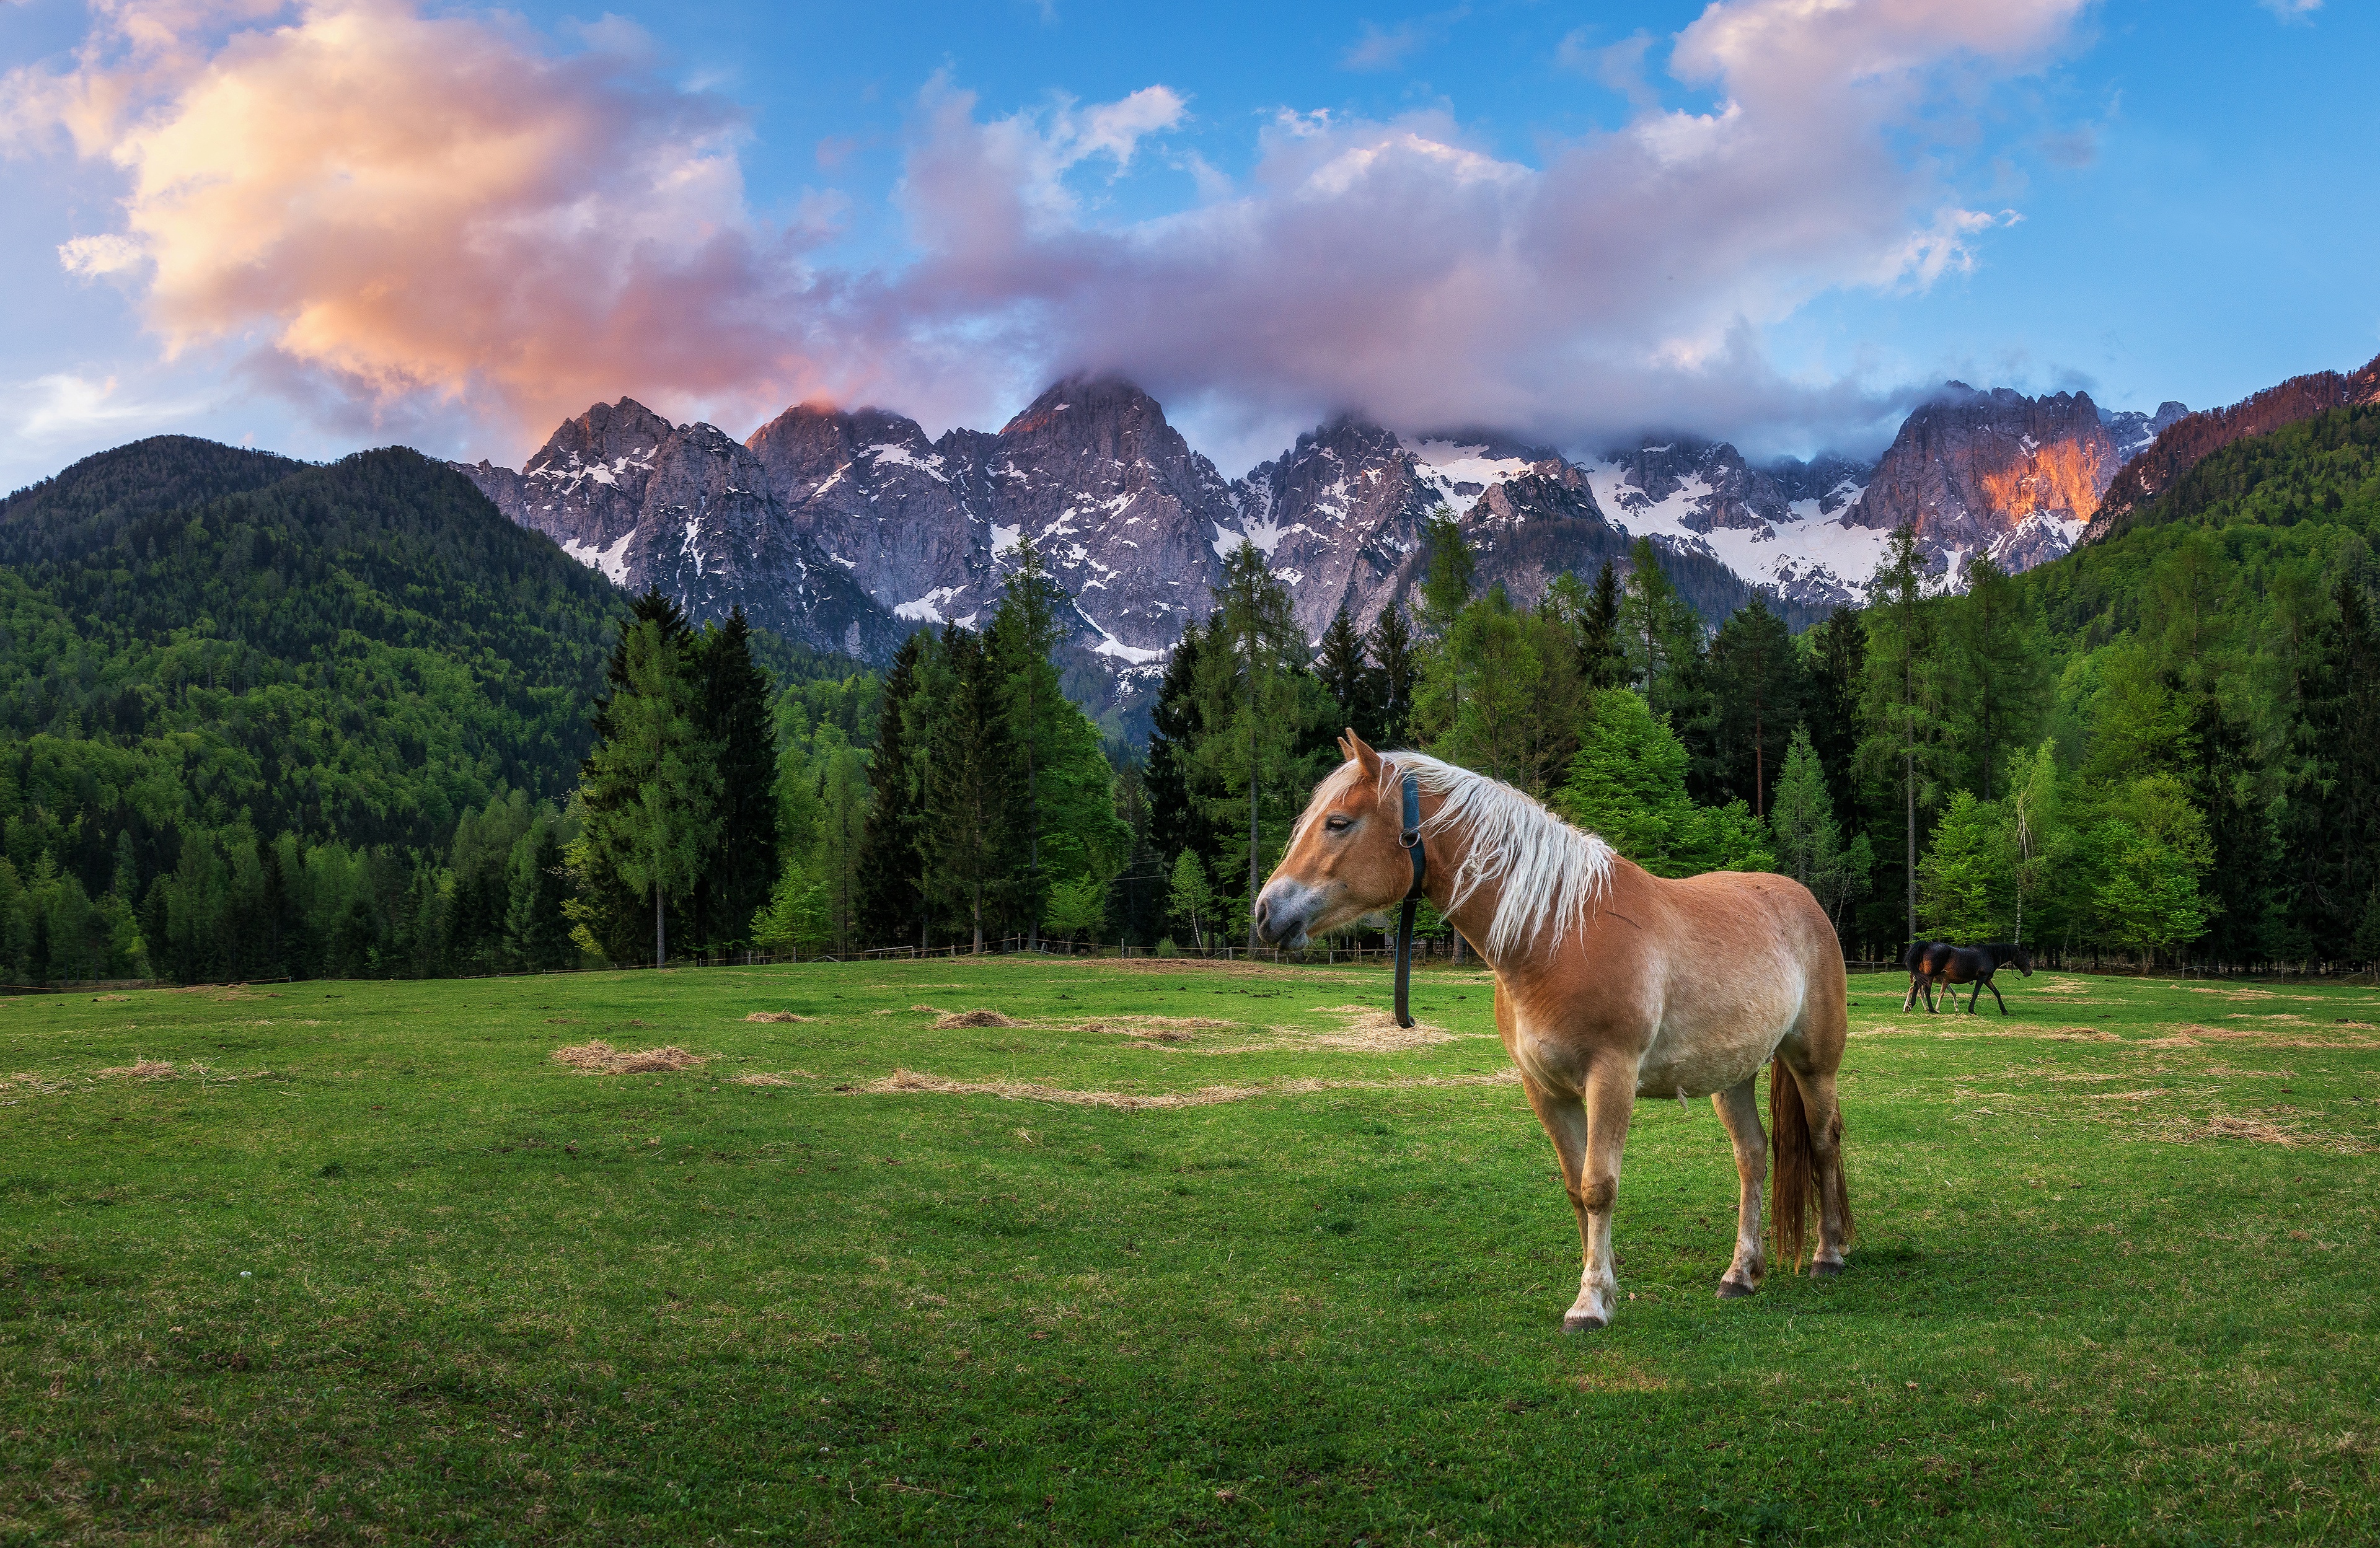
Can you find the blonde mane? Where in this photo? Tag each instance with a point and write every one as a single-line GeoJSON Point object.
{"type": "Point", "coordinates": [1551, 871]}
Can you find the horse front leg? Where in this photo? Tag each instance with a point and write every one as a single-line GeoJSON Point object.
{"type": "Point", "coordinates": [1588, 1132]}
{"type": "Point", "coordinates": [1995, 988]}
{"type": "Point", "coordinates": [1977, 993]}
{"type": "Point", "coordinates": [1739, 1108]}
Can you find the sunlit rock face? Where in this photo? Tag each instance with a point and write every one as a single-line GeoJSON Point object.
{"type": "Point", "coordinates": [2183, 441]}
{"type": "Point", "coordinates": [1993, 472]}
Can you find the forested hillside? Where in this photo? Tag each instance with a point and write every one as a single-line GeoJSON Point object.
{"type": "Point", "coordinates": [246, 704]}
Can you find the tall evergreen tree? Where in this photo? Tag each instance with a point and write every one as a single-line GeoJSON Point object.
{"type": "Point", "coordinates": [1024, 631]}
{"type": "Point", "coordinates": [1346, 677]}
{"type": "Point", "coordinates": [1999, 674]}
{"type": "Point", "coordinates": [1601, 662]}
{"type": "Point", "coordinates": [1753, 679]}
{"type": "Point", "coordinates": [1901, 702]}
{"type": "Point", "coordinates": [890, 869]}
{"type": "Point", "coordinates": [1253, 660]}
{"type": "Point", "coordinates": [1449, 575]}
{"type": "Point", "coordinates": [1660, 635]}
{"type": "Point", "coordinates": [741, 867]}
{"type": "Point", "coordinates": [1394, 672]}
{"type": "Point", "coordinates": [536, 933]}
{"type": "Point", "coordinates": [974, 832]}
{"type": "Point", "coordinates": [651, 788]}
{"type": "Point", "coordinates": [1178, 818]}
{"type": "Point", "coordinates": [2334, 821]}
{"type": "Point", "coordinates": [1835, 675]}
{"type": "Point", "coordinates": [1809, 842]}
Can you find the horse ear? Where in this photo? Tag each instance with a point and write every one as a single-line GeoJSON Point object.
{"type": "Point", "coordinates": [1353, 746]}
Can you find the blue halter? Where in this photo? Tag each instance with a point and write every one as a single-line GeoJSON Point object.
{"type": "Point", "coordinates": [1411, 839]}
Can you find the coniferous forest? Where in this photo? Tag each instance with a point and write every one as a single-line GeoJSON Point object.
{"type": "Point", "coordinates": [259, 718]}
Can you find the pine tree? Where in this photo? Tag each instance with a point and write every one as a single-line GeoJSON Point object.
{"type": "Point", "coordinates": [1024, 631]}
{"type": "Point", "coordinates": [741, 867]}
{"type": "Point", "coordinates": [975, 818]}
{"type": "Point", "coordinates": [1177, 816]}
{"type": "Point", "coordinates": [1809, 842]}
{"type": "Point", "coordinates": [1660, 638]}
{"type": "Point", "coordinates": [1602, 663]}
{"type": "Point", "coordinates": [1902, 695]}
{"type": "Point", "coordinates": [1753, 679]}
{"type": "Point", "coordinates": [651, 789]}
{"type": "Point", "coordinates": [536, 933]}
{"type": "Point", "coordinates": [1394, 670]}
{"type": "Point", "coordinates": [1449, 574]}
{"type": "Point", "coordinates": [2332, 832]}
{"type": "Point", "coordinates": [1346, 677]}
{"type": "Point", "coordinates": [889, 870]}
{"type": "Point", "coordinates": [1249, 686]}
{"type": "Point", "coordinates": [2000, 673]}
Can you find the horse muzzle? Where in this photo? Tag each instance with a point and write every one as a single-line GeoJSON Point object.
{"type": "Point", "coordinates": [1284, 911]}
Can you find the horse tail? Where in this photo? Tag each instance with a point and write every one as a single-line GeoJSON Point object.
{"type": "Point", "coordinates": [1793, 1169]}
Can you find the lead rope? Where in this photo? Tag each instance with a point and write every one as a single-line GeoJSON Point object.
{"type": "Point", "coordinates": [1411, 839]}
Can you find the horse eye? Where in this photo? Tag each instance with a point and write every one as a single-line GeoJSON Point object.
{"type": "Point", "coordinates": [1337, 824]}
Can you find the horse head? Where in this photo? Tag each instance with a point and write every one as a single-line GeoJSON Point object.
{"type": "Point", "coordinates": [1344, 859]}
{"type": "Point", "coordinates": [2022, 959]}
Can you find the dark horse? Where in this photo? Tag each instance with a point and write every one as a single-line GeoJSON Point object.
{"type": "Point", "coordinates": [1972, 964]}
{"type": "Point", "coordinates": [1920, 960]}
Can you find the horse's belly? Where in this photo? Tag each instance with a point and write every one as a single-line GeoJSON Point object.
{"type": "Point", "coordinates": [1676, 1066]}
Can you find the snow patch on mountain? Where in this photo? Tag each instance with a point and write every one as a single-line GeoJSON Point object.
{"type": "Point", "coordinates": [612, 561]}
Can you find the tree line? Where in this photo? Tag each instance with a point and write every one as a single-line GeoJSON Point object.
{"type": "Point", "coordinates": [2164, 747]}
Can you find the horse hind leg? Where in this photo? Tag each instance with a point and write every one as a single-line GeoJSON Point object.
{"type": "Point", "coordinates": [1913, 982]}
{"type": "Point", "coordinates": [1820, 1127]}
{"type": "Point", "coordinates": [1739, 1108]}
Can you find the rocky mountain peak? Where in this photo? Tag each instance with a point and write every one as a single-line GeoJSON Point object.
{"type": "Point", "coordinates": [1998, 473]}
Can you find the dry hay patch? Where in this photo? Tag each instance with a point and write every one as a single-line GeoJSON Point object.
{"type": "Point", "coordinates": [1371, 1030]}
{"type": "Point", "coordinates": [599, 1057]}
{"type": "Point", "coordinates": [2260, 1129]}
{"type": "Point", "coordinates": [142, 1069]}
{"type": "Point", "coordinates": [980, 1018]}
{"type": "Point", "coordinates": [1154, 1029]}
{"type": "Point", "coordinates": [778, 1016]}
{"type": "Point", "coordinates": [2060, 986]}
{"type": "Point", "coordinates": [763, 1078]}
{"type": "Point", "coordinates": [918, 1082]}
{"type": "Point", "coordinates": [2192, 1036]}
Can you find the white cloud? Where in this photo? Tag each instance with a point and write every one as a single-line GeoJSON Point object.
{"type": "Point", "coordinates": [91, 256]}
{"type": "Point", "coordinates": [2292, 10]}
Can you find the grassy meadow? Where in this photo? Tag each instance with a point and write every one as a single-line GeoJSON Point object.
{"type": "Point", "coordinates": [1194, 1251]}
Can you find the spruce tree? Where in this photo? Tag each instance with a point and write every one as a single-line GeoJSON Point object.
{"type": "Point", "coordinates": [741, 867]}
{"type": "Point", "coordinates": [1024, 631]}
{"type": "Point", "coordinates": [536, 933]}
{"type": "Point", "coordinates": [1753, 680]}
{"type": "Point", "coordinates": [1249, 686]}
{"type": "Point", "coordinates": [890, 871]}
{"type": "Point", "coordinates": [2000, 674]}
{"type": "Point", "coordinates": [1602, 663]}
{"type": "Point", "coordinates": [1660, 638]}
{"type": "Point", "coordinates": [653, 787]}
{"type": "Point", "coordinates": [1391, 646]}
{"type": "Point", "coordinates": [1901, 699]}
{"type": "Point", "coordinates": [1177, 818]}
{"type": "Point", "coordinates": [1345, 676]}
{"type": "Point", "coordinates": [974, 816]}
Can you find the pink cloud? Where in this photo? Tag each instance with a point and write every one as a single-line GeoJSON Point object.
{"type": "Point", "coordinates": [423, 217]}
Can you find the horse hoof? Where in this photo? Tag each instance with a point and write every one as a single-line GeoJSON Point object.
{"type": "Point", "coordinates": [1582, 1322]}
{"type": "Point", "coordinates": [1820, 1270]}
{"type": "Point", "coordinates": [1736, 1290]}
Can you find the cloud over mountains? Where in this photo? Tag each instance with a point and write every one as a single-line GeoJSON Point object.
{"type": "Point", "coordinates": [398, 211]}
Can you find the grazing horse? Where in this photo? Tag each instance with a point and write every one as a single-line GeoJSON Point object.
{"type": "Point", "coordinates": [1974, 964]}
{"type": "Point", "coordinates": [1611, 984]}
{"type": "Point", "coordinates": [1920, 961]}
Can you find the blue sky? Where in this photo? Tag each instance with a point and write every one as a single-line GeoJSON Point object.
{"type": "Point", "coordinates": [1266, 212]}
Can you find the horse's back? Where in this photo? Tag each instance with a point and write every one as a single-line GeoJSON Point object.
{"type": "Point", "coordinates": [1758, 950]}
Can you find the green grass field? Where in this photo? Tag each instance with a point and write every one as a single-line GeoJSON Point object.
{"type": "Point", "coordinates": [351, 1261]}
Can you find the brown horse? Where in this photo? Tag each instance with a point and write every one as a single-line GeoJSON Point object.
{"type": "Point", "coordinates": [1611, 984]}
